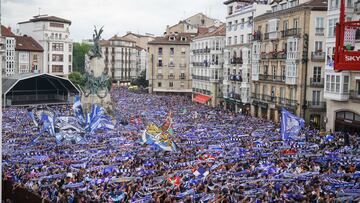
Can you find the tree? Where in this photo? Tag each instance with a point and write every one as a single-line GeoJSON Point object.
{"type": "Point", "coordinates": [79, 52]}
{"type": "Point", "coordinates": [77, 78]}
{"type": "Point", "coordinates": [141, 80]}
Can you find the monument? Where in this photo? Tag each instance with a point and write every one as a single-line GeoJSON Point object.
{"type": "Point", "coordinates": [97, 81]}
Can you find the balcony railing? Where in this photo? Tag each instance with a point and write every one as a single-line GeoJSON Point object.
{"type": "Point", "coordinates": [318, 56]}
{"type": "Point", "coordinates": [171, 65]}
{"type": "Point", "coordinates": [236, 60]}
{"type": "Point", "coordinates": [235, 78]}
{"type": "Point", "coordinates": [182, 65]}
{"type": "Point", "coordinates": [317, 82]}
{"type": "Point", "coordinates": [234, 96]}
{"type": "Point", "coordinates": [171, 76]}
{"type": "Point", "coordinates": [197, 90]}
{"type": "Point", "coordinates": [255, 95]}
{"type": "Point", "coordinates": [160, 76]}
{"type": "Point", "coordinates": [354, 95]}
{"type": "Point", "coordinates": [272, 78]}
{"type": "Point", "coordinates": [291, 32]}
{"type": "Point", "coordinates": [291, 103]}
{"type": "Point", "coordinates": [182, 77]}
{"type": "Point", "coordinates": [198, 77]}
{"type": "Point", "coordinates": [266, 36]}
{"type": "Point", "coordinates": [319, 31]}
{"type": "Point", "coordinates": [316, 105]}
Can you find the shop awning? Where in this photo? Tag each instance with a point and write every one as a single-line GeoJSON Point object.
{"type": "Point", "coordinates": [201, 98]}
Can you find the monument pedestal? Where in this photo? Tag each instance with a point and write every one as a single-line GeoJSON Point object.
{"type": "Point", "coordinates": [88, 101]}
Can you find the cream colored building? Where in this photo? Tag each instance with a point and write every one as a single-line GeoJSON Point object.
{"type": "Point", "coordinates": [342, 89]}
{"type": "Point", "coordinates": [206, 64]}
{"type": "Point", "coordinates": [284, 57]}
{"type": "Point", "coordinates": [192, 24]}
{"type": "Point", "coordinates": [120, 59]}
{"type": "Point", "coordinates": [169, 64]}
{"type": "Point", "coordinates": [237, 67]}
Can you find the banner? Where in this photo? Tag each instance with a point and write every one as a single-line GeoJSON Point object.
{"type": "Point", "coordinates": [290, 125]}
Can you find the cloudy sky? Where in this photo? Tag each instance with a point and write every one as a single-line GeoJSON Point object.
{"type": "Point", "coordinates": [117, 16]}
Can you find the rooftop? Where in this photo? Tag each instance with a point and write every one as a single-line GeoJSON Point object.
{"type": "Point", "coordinates": [175, 39]}
{"type": "Point", "coordinates": [47, 18]}
{"type": "Point", "coordinates": [6, 32]}
{"type": "Point", "coordinates": [219, 31]}
{"type": "Point", "coordinates": [26, 43]}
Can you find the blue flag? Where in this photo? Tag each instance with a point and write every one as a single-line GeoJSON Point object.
{"type": "Point", "coordinates": [290, 125]}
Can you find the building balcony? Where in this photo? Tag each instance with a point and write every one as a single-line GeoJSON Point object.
{"type": "Point", "coordinates": [171, 65]}
{"type": "Point", "coordinates": [236, 60]}
{"type": "Point", "coordinates": [274, 35]}
{"type": "Point", "coordinates": [293, 55]}
{"type": "Point", "coordinates": [198, 77]}
{"type": "Point", "coordinates": [316, 105]}
{"type": "Point", "coordinates": [257, 36]}
{"type": "Point", "coordinates": [337, 96]}
{"type": "Point", "coordinates": [317, 82]}
{"type": "Point", "coordinates": [319, 31]}
{"type": "Point", "coordinates": [235, 78]}
{"type": "Point", "coordinates": [318, 56]}
{"type": "Point", "coordinates": [269, 98]}
{"type": "Point", "coordinates": [291, 103]}
{"type": "Point", "coordinates": [357, 7]}
{"type": "Point", "coordinates": [171, 76]}
{"type": "Point", "coordinates": [277, 55]}
{"type": "Point", "coordinates": [355, 95]}
{"type": "Point", "coordinates": [272, 78]}
{"type": "Point", "coordinates": [201, 91]}
{"type": "Point", "coordinates": [255, 96]}
{"type": "Point", "coordinates": [266, 36]}
{"type": "Point", "coordinates": [293, 32]}
{"type": "Point", "coordinates": [182, 65]}
{"type": "Point", "coordinates": [182, 77]}
{"type": "Point", "coordinates": [160, 76]}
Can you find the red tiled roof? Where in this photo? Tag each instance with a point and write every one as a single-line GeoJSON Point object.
{"type": "Point", "coordinates": [47, 18]}
{"type": "Point", "coordinates": [6, 32]}
{"type": "Point", "coordinates": [25, 43]}
{"type": "Point", "coordinates": [117, 38]}
{"type": "Point", "coordinates": [219, 31]}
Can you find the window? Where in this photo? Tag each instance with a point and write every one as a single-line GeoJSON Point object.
{"type": "Point", "coordinates": [69, 58]}
{"type": "Point", "coordinates": [317, 74]}
{"type": "Point", "coordinates": [160, 63]}
{"type": "Point", "coordinates": [235, 40]}
{"type": "Point", "coordinates": [159, 84]}
{"type": "Point", "coordinates": [171, 51]}
{"type": "Point", "coordinates": [285, 25]}
{"type": "Point", "coordinates": [69, 69]}
{"type": "Point", "coordinates": [235, 25]}
{"type": "Point", "coordinates": [171, 84]}
{"type": "Point", "coordinates": [332, 26]}
{"type": "Point", "coordinates": [241, 39]}
{"type": "Point", "coordinates": [57, 46]}
{"type": "Point", "coordinates": [183, 51]}
{"type": "Point", "coordinates": [274, 71]}
{"type": "Point", "coordinates": [282, 95]}
{"type": "Point", "coordinates": [229, 40]}
{"type": "Point", "coordinates": [160, 51]}
{"type": "Point", "coordinates": [229, 26]}
{"type": "Point", "coordinates": [35, 57]}
{"type": "Point", "coordinates": [230, 10]}
{"type": "Point", "coordinates": [59, 25]}
{"type": "Point", "coordinates": [327, 85]}
{"type": "Point", "coordinates": [316, 97]}
{"type": "Point", "coordinates": [319, 25]}
{"type": "Point", "coordinates": [57, 68]}
{"type": "Point", "coordinates": [58, 57]}
{"type": "Point", "coordinates": [318, 46]}
{"type": "Point", "coordinates": [296, 23]}
{"type": "Point", "coordinates": [358, 87]}
{"type": "Point", "coordinates": [337, 83]}
{"type": "Point", "coordinates": [70, 47]}
{"type": "Point", "coordinates": [346, 84]}
{"type": "Point", "coordinates": [293, 94]}
{"type": "Point", "coordinates": [283, 72]}
{"type": "Point", "coordinates": [266, 70]}
{"type": "Point", "coordinates": [349, 3]}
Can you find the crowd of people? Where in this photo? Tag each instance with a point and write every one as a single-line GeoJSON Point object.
{"type": "Point", "coordinates": [221, 157]}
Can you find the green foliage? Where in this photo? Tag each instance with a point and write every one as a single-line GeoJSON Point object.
{"type": "Point", "coordinates": [79, 52]}
{"type": "Point", "coordinates": [141, 80]}
{"type": "Point", "coordinates": [77, 78]}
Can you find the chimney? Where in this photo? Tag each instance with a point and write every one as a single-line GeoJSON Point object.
{"type": "Point", "coordinates": [9, 28]}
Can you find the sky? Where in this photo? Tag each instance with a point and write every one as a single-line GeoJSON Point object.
{"type": "Point", "coordinates": [117, 16]}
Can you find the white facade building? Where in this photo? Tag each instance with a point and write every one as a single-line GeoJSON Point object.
{"type": "Point", "coordinates": [9, 45]}
{"type": "Point", "coordinates": [53, 35]}
{"type": "Point", "coordinates": [206, 65]}
{"type": "Point", "coordinates": [342, 89]}
{"type": "Point", "coordinates": [237, 66]}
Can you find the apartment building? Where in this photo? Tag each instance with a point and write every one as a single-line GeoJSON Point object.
{"type": "Point", "coordinates": [288, 60]}
{"type": "Point", "coordinates": [53, 34]}
{"type": "Point", "coordinates": [237, 67]}
{"type": "Point", "coordinates": [28, 55]}
{"type": "Point", "coordinates": [169, 70]}
{"type": "Point", "coordinates": [120, 59]}
{"type": "Point", "coordinates": [192, 24]}
{"type": "Point", "coordinates": [342, 89]}
{"type": "Point", "coordinates": [206, 65]}
{"type": "Point", "coordinates": [9, 44]}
